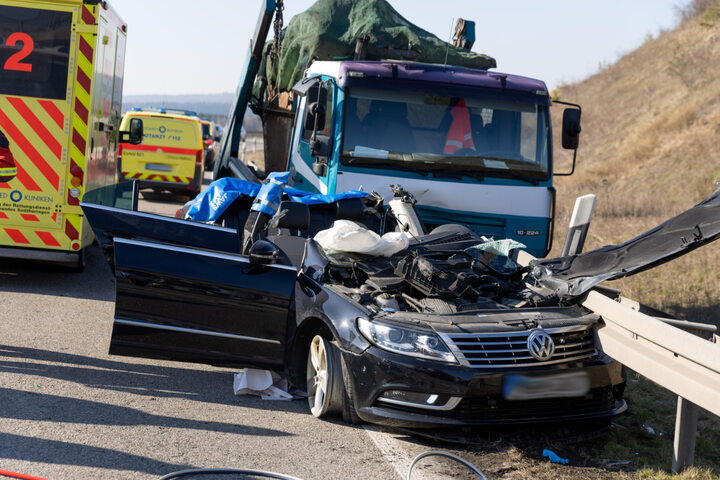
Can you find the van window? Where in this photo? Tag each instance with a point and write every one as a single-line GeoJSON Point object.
{"type": "Point", "coordinates": [34, 52]}
{"type": "Point", "coordinates": [171, 132]}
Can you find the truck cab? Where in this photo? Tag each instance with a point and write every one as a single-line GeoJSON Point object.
{"type": "Point", "coordinates": [473, 147]}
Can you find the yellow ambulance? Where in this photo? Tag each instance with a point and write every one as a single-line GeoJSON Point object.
{"type": "Point", "coordinates": [170, 156]}
{"type": "Point", "coordinates": [61, 77]}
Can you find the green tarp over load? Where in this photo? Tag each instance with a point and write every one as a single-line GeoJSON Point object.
{"type": "Point", "coordinates": [329, 29]}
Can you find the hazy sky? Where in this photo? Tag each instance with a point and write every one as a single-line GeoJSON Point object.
{"type": "Point", "coordinates": [189, 47]}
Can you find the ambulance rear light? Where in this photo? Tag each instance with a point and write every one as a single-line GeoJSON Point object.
{"type": "Point", "coordinates": [75, 182]}
{"type": "Point", "coordinates": [75, 192]}
{"type": "Point", "coordinates": [199, 158]}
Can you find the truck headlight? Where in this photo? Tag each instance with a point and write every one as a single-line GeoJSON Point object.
{"type": "Point", "coordinates": [406, 341]}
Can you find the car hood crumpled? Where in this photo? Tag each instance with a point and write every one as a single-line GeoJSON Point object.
{"type": "Point", "coordinates": [574, 275]}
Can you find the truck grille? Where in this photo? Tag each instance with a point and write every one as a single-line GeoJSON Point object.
{"type": "Point", "coordinates": [509, 349]}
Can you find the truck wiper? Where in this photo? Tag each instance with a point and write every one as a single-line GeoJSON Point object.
{"type": "Point", "coordinates": [452, 173]}
{"type": "Point", "coordinates": [399, 165]}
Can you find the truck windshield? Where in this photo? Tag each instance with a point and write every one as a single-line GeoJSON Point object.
{"type": "Point", "coordinates": [445, 135]}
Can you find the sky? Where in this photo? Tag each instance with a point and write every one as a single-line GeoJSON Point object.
{"type": "Point", "coordinates": [191, 47]}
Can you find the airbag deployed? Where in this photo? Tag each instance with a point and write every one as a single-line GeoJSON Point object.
{"type": "Point", "coordinates": [347, 236]}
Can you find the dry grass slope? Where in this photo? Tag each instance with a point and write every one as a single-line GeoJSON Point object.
{"type": "Point", "coordinates": [649, 150]}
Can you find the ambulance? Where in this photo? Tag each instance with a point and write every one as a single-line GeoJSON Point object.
{"type": "Point", "coordinates": [171, 154]}
{"type": "Point", "coordinates": [209, 142]}
{"type": "Point", "coordinates": [61, 78]}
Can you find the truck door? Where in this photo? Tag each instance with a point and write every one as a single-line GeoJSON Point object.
{"type": "Point", "coordinates": [301, 160]}
{"type": "Point", "coordinates": [191, 300]}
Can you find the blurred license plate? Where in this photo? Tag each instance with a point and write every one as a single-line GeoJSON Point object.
{"type": "Point", "coordinates": [159, 167]}
{"type": "Point", "coordinates": [523, 387]}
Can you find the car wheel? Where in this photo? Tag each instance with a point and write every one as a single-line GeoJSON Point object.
{"type": "Point", "coordinates": [324, 378]}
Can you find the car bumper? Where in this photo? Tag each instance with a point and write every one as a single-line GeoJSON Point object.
{"type": "Point", "coordinates": [194, 186]}
{"type": "Point", "coordinates": [470, 397]}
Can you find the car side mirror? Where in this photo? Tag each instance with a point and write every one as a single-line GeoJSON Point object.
{"type": "Point", "coordinates": [571, 128]}
{"type": "Point", "coordinates": [134, 134]}
{"type": "Point", "coordinates": [263, 252]}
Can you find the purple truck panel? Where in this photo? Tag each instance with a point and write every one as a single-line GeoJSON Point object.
{"type": "Point", "coordinates": [441, 74]}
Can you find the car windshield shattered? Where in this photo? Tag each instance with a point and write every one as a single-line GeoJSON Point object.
{"type": "Point", "coordinates": [375, 318]}
{"type": "Point", "coordinates": [434, 133]}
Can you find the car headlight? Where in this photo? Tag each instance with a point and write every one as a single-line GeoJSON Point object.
{"type": "Point", "coordinates": [406, 341]}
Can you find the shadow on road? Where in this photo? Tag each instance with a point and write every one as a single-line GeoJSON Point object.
{"type": "Point", "coordinates": [38, 450]}
{"type": "Point", "coordinates": [210, 386]}
{"type": "Point", "coordinates": [95, 283]}
{"type": "Point", "coordinates": [32, 406]}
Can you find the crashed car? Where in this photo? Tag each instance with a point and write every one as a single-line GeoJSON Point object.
{"type": "Point", "coordinates": [446, 331]}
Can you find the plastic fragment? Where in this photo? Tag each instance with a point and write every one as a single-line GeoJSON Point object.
{"type": "Point", "coordinates": [648, 429]}
{"type": "Point", "coordinates": [554, 458]}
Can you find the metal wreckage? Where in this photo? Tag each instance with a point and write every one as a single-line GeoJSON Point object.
{"type": "Point", "coordinates": [379, 321]}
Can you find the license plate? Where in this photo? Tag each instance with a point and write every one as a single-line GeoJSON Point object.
{"type": "Point", "coordinates": [524, 387]}
{"type": "Point", "coordinates": [158, 167]}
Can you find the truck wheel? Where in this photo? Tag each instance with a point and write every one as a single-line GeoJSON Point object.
{"type": "Point", "coordinates": [324, 378]}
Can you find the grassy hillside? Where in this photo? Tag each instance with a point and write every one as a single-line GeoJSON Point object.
{"type": "Point", "coordinates": [649, 149]}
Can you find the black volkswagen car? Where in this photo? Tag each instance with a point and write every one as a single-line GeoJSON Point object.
{"type": "Point", "coordinates": [441, 333]}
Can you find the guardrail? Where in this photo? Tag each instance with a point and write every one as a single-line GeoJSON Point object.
{"type": "Point", "coordinates": [682, 362]}
{"type": "Point", "coordinates": [677, 360]}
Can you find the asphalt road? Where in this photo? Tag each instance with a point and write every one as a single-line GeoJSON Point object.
{"type": "Point", "coordinates": [68, 410]}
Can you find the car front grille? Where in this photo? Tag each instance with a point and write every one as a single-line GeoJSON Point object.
{"type": "Point", "coordinates": [490, 409]}
{"type": "Point", "coordinates": [596, 401]}
{"type": "Point", "coordinates": [509, 349]}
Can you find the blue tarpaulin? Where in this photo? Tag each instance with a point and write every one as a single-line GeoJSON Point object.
{"type": "Point", "coordinates": [270, 195]}
{"type": "Point", "coordinates": [211, 203]}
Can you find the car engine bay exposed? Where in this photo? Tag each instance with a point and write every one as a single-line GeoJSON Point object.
{"type": "Point", "coordinates": [443, 272]}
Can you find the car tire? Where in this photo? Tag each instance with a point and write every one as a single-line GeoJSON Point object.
{"type": "Point", "coordinates": [349, 412]}
{"type": "Point", "coordinates": [324, 378]}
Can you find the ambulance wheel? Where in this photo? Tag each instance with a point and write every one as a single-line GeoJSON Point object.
{"type": "Point", "coordinates": [81, 261]}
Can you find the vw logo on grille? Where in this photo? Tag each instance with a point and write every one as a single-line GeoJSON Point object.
{"type": "Point", "coordinates": [540, 345]}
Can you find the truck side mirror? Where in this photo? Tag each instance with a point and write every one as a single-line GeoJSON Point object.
{"type": "Point", "coordinates": [315, 111]}
{"type": "Point", "coordinates": [571, 128]}
{"type": "Point", "coordinates": [134, 134]}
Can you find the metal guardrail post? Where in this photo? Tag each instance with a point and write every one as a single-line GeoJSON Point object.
{"type": "Point", "coordinates": [685, 433]}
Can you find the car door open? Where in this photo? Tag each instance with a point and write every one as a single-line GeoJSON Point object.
{"type": "Point", "coordinates": [179, 300]}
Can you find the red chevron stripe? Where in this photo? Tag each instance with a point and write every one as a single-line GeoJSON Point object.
{"type": "Point", "coordinates": [16, 236]}
{"type": "Point", "coordinates": [86, 49]}
{"type": "Point", "coordinates": [29, 217]}
{"type": "Point", "coordinates": [83, 80]}
{"type": "Point", "coordinates": [48, 239]}
{"type": "Point", "coordinates": [177, 179]}
{"type": "Point", "coordinates": [21, 142]}
{"type": "Point", "coordinates": [81, 111]}
{"type": "Point", "coordinates": [3, 215]}
{"type": "Point", "coordinates": [71, 232]}
{"type": "Point", "coordinates": [53, 111]}
{"type": "Point", "coordinates": [87, 16]}
{"type": "Point", "coordinates": [54, 217]}
{"type": "Point", "coordinates": [79, 141]}
{"type": "Point", "coordinates": [36, 125]}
